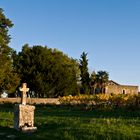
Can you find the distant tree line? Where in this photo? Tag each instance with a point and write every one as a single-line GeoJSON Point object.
{"type": "Point", "coordinates": [47, 72]}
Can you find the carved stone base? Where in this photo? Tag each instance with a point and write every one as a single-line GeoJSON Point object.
{"type": "Point", "coordinates": [28, 129]}
{"type": "Point", "coordinates": [24, 117]}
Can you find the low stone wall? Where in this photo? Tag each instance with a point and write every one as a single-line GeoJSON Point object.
{"type": "Point", "coordinates": [50, 101]}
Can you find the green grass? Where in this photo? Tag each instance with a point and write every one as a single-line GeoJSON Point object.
{"type": "Point", "coordinates": [73, 123]}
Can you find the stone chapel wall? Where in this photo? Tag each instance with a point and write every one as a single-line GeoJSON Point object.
{"type": "Point", "coordinates": [121, 89]}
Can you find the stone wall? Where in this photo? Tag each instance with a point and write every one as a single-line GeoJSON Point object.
{"type": "Point", "coordinates": [122, 89]}
{"type": "Point", "coordinates": [50, 101]}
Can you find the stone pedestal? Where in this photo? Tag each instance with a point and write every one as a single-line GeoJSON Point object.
{"type": "Point", "coordinates": [24, 118]}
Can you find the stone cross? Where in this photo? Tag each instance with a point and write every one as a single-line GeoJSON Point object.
{"type": "Point", "coordinates": [24, 89]}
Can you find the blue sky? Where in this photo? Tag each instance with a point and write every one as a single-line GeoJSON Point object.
{"type": "Point", "coordinates": [108, 30]}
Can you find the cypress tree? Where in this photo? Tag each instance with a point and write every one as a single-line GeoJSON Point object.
{"type": "Point", "coordinates": [85, 80]}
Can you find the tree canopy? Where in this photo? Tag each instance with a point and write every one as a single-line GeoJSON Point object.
{"type": "Point", "coordinates": [48, 72]}
{"type": "Point", "coordinates": [8, 78]}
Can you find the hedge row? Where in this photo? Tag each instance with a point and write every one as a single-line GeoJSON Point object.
{"type": "Point", "coordinates": [105, 101]}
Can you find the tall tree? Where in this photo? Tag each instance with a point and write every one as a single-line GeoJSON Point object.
{"type": "Point", "coordinates": [8, 78]}
{"type": "Point", "coordinates": [48, 72]}
{"type": "Point", "coordinates": [85, 80]}
{"type": "Point", "coordinates": [102, 80]}
{"type": "Point", "coordinates": [93, 81]}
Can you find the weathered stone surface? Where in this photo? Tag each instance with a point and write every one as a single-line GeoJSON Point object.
{"type": "Point", "coordinates": [113, 87]}
{"type": "Point", "coordinates": [23, 116]}
{"type": "Point", "coordinates": [48, 101]}
{"type": "Point", "coordinates": [116, 88]}
{"type": "Point", "coordinates": [28, 129]}
{"type": "Point", "coordinates": [24, 89]}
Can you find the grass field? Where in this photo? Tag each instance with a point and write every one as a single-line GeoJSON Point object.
{"type": "Point", "coordinates": [73, 123]}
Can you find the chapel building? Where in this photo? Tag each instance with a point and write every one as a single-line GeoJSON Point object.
{"type": "Point", "coordinates": [113, 87]}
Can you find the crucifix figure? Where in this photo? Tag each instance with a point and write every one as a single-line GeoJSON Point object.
{"type": "Point", "coordinates": [24, 89]}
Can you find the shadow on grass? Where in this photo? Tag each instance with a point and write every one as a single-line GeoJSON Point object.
{"type": "Point", "coordinates": [75, 111]}
{"type": "Point", "coordinates": [6, 107]}
{"type": "Point", "coordinates": [70, 111]}
{"type": "Point", "coordinates": [8, 133]}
